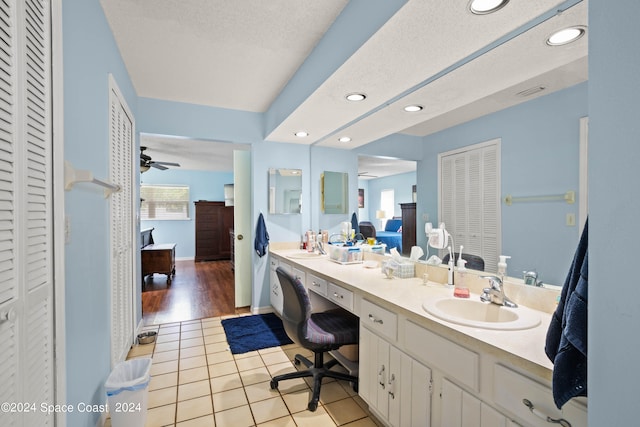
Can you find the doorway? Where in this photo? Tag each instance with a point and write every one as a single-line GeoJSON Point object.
{"type": "Point", "coordinates": [206, 167]}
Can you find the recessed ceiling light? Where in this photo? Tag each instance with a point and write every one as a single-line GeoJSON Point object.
{"type": "Point", "coordinates": [483, 7]}
{"type": "Point", "coordinates": [302, 134]}
{"type": "Point", "coordinates": [412, 108]}
{"type": "Point", "coordinates": [345, 139]}
{"type": "Point", "coordinates": [356, 97]}
{"type": "Point", "coordinates": [566, 35]}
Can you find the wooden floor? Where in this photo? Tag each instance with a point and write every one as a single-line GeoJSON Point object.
{"type": "Point", "coordinates": [198, 290]}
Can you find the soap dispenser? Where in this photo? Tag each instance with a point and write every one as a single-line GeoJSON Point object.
{"type": "Point", "coordinates": [460, 288]}
{"type": "Point", "coordinates": [502, 266]}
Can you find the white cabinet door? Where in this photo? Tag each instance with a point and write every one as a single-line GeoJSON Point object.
{"type": "Point", "coordinates": [461, 409]}
{"type": "Point", "coordinates": [420, 395]}
{"type": "Point", "coordinates": [275, 293]}
{"type": "Point", "coordinates": [395, 385]}
{"type": "Point", "coordinates": [383, 375]}
{"type": "Point", "coordinates": [366, 369]}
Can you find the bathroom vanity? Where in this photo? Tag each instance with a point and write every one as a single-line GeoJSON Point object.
{"type": "Point", "coordinates": [416, 369]}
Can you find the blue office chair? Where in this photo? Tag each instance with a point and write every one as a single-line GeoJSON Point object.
{"type": "Point", "coordinates": [318, 332]}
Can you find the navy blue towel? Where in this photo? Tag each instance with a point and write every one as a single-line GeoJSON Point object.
{"type": "Point", "coordinates": [354, 223]}
{"type": "Point", "coordinates": [566, 344]}
{"type": "Point", "coordinates": [262, 237]}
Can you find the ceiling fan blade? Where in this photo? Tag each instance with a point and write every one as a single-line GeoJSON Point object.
{"type": "Point", "coordinates": [166, 163]}
{"type": "Point", "coordinates": [158, 166]}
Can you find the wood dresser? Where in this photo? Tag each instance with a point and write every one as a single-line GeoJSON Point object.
{"type": "Point", "coordinates": [408, 226]}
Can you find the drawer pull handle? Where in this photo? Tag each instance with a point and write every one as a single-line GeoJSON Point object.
{"type": "Point", "coordinates": [374, 320]}
{"type": "Point", "coordinates": [392, 388]}
{"type": "Point", "coordinates": [538, 413]}
{"type": "Point", "coordinates": [316, 284]}
{"type": "Point", "coordinates": [335, 295]}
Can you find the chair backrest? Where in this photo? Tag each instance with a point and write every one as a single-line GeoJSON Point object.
{"type": "Point", "coordinates": [296, 308]}
{"type": "Point", "coordinates": [367, 229]}
{"type": "Point", "coordinates": [474, 262]}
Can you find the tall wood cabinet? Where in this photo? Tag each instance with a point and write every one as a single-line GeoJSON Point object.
{"type": "Point", "coordinates": [408, 226]}
{"type": "Point", "coordinates": [213, 221]}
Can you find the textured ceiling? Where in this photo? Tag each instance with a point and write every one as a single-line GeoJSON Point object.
{"type": "Point", "coordinates": [232, 54]}
{"type": "Point", "coordinates": [241, 55]}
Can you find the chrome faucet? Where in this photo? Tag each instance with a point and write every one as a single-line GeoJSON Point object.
{"type": "Point", "coordinates": [531, 278]}
{"type": "Point", "coordinates": [495, 293]}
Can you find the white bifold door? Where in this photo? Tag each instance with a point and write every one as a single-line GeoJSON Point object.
{"type": "Point", "coordinates": [26, 242]}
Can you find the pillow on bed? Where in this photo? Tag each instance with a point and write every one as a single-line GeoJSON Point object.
{"type": "Point", "coordinates": [394, 225]}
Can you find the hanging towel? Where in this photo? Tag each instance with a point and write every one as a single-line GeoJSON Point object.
{"type": "Point", "coordinates": [354, 223]}
{"type": "Point", "coordinates": [262, 237]}
{"type": "Point", "coordinates": [566, 344]}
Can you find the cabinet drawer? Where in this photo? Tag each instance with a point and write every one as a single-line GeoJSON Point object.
{"type": "Point", "coordinates": [437, 352]}
{"type": "Point", "coordinates": [509, 390]}
{"type": "Point", "coordinates": [379, 319]}
{"type": "Point", "coordinates": [299, 274]}
{"type": "Point", "coordinates": [317, 284]}
{"type": "Point", "coordinates": [340, 296]}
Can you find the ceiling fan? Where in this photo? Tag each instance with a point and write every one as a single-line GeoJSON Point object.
{"type": "Point", "coordinates": [366, 175]}
{"type": "Point", "coordinates": [146, 162]}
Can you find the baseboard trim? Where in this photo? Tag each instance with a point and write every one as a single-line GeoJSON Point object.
{"type": "Point", "coordinates": [262, 310]}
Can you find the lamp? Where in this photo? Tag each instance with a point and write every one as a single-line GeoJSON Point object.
{"type": "Point", "coordinates": [381, 215]}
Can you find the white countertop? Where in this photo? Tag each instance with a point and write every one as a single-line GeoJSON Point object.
{"type": "Point", "coordinates": [522, 348]}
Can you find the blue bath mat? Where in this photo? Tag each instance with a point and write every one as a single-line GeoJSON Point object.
{"type": "Point", "coordinates": [249, 333]}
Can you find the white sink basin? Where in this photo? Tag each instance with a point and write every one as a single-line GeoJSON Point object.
{"type": "Point", "coordinates": [475, 313]}
{"type": "Point", "coordinates": [305, 255]}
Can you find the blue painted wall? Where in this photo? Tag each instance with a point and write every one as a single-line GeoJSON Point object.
{"type": "Point", "coordinates": [539, 154]}
{"type": "Point", "coordinates": [90, 54]}
{"type": "Point", "coordinates": [401, 185]}
{"type": "Point", "coordinates": [203, 185]}
{"type": "Point", "coordinates": [614, 156]}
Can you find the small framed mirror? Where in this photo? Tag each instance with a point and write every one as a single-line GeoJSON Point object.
{"type": "Point", "coordinates": [334, 192]}
{"type": "Point", "coordinates": [285, 190]}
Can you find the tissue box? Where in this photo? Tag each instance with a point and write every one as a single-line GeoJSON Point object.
{"type": "Point", "coordinates": [376, 249]}
{"type": "Point", "coordinates": [405, 270]}
{"type": "Point", "coordinates": [345, 254]}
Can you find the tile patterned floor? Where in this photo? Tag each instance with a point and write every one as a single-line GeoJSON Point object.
{"type": "Point", "coordinates": [196, 381]}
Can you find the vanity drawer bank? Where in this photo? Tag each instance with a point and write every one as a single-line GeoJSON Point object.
{"type": "Point", "coordinates": [418, 370]}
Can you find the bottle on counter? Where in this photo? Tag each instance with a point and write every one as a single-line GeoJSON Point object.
{"type": "Point", "coordinates": [460, 288]}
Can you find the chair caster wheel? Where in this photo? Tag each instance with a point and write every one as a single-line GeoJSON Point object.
{"type": "Point", "coordinates": [273, 384]}
{"type": "Point", "coordinates": [312, 406]}
{"type": "Point", "coordinates": [354, 386]}
{"type": "Point", "coordinates": [296, 362]}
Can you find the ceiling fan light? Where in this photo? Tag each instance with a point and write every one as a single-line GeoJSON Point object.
{"type": "Point", "coordinates": [484, 7]}
{"type": "Point", "coordinates": [566, 35]}
{"type": "Point", "coordinates": [144, 168]}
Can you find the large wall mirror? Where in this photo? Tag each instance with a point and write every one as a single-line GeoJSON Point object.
{"type": "Point", "coordinates": [285, 191]}
{"type": "Point", "coordinates": [334, 192]}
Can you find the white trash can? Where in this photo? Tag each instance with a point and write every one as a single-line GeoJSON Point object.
{"type": "Point", "coordinates": [127, 392]}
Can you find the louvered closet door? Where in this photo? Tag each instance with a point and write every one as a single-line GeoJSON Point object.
{"type": "Point", "coordinates": [470, 200]}
{"type": "Point", "coordinates": [26, 265]}
{"type": "Point", "coordinates": [121, 138]}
